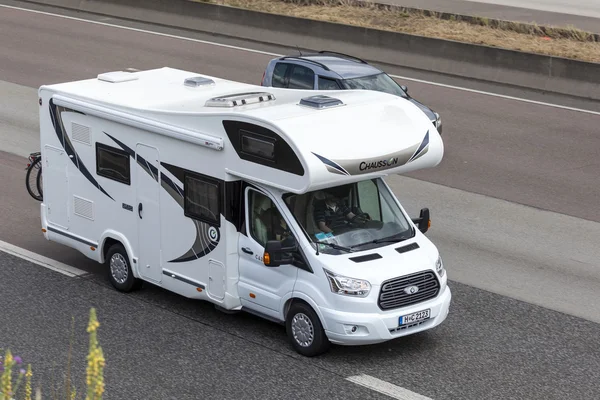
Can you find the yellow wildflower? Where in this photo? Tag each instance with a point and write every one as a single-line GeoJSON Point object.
{"type": "Point", "coordinates": [6, 380]}
{"type": "Point", "coordinates": [28, 383]}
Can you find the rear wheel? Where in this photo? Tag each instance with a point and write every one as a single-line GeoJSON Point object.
{"type": "Point", "coordinates": [305, 331]}
{"type": "Point", "coordinates": [120, 274]}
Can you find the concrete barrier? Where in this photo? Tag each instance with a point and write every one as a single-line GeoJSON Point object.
{"type": "Point", "coordinates": [552, 74]}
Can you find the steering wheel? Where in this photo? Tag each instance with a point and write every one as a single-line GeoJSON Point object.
{"type": "Point", "coordinates": [360, 218]}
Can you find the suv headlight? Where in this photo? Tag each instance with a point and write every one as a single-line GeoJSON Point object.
{"type": "Point", "coordinates": [348, 286]}
{"type": "Point", "coordinates": [439, 266]}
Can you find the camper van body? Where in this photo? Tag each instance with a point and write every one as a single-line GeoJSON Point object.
{"type": "Point", "coordinates": [160, 174]}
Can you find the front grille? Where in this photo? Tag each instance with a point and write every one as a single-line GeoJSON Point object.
{"type": "Point", "coordinates": [392, 294]}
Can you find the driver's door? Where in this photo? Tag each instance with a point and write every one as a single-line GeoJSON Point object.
{"type": "Point", "coordinates": [261, 288]}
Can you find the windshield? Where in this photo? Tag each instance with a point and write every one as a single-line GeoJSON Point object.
{"type": "Point", "coordinates": [380, 82]}
{"type": "Point", "coordinates": [352, 217]}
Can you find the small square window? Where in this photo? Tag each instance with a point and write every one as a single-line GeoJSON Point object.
{"type": "Point", "coordinates": [113, 163]}
{"type": "Point", "coordinates": [259, 146]}
{"type": "Point", "coordinates": [202, 198]}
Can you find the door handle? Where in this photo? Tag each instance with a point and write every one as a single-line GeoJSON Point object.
{"type": "Point", "coordinates": [247, 250]}
{"type": "Point", "coordinates": [140, 210]}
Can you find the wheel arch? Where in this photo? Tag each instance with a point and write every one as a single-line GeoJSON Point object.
{"type": "Point", "coordinates": [108, 239]}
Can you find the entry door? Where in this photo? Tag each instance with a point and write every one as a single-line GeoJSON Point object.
{"type": "Point", "coordinates": [261, 288]}
{"type": "Point", "coordinates": [147, 209]}
{"type": "Point", "coordinates": [56, 186]}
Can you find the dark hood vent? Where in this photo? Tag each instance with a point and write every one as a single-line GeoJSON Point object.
{"type": "Point", "coordinates": [404, 249]}
{"type": "Point", "coordinates": [367, 257]}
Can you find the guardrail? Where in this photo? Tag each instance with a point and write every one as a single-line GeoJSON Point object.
{"type": "Point", "coordinates": [552, 74]}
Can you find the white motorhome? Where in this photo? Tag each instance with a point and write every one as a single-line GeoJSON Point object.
{"type": "Point", "coordinates": [268, 202]}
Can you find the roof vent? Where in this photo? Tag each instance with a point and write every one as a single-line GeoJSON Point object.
{"type": "Point", "coordinates": [320, 101]}
{"type": "Point", "coordinates": [117, 76]}
{"type": "Point", "coordinates": [196, 81]}
{"type": "Point", "coordinates": [240, 99]}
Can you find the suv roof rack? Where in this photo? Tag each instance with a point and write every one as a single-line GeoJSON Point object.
{"type": "Point", "coordinates": [342, 54]}
{"type": "Point", "coordinates": [239, 99]}
{"type": "Point", "coordinates": [307, 60]}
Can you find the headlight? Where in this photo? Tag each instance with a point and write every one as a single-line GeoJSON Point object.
{"type": "Point", "coordinates": [439, 266]}
{"type": "Point", "coordinates": [348, 286]}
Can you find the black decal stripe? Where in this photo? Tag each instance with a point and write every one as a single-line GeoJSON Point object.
{"type": "Point", "coordinates": [331, 164]}
{"type": "Point", "coordinates": [421, 148]}
{"type": "Point", "coordinates": [176, 171]}
{"type": "Point", "coordinates": [70, 236]}
{"type": "Point", "coordinates": [148, 167]}
{"type": "Point", "coordinates": [60, 131]}
{"type": "Point", "coordinates": [182, 279]}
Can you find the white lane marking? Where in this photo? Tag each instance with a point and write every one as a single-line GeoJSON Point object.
{"type": "Point", "coordinates": [146, 31]}
{"type": "Point", "coordinates": [541, 103]}
{"type": "Point", "coordinates": [391, 390]}
{"type": "Point", "coordinates": [40, 260]}
{"type": "Point", "coordinates": [279, 55]}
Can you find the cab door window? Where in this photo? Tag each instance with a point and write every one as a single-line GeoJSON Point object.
{"type": "Point", "coordinates": [265, 221]}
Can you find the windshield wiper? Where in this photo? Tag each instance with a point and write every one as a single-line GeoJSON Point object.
{"type": "Point", "coordinates": [387, 239]}
{"type": "Point", "coordinates": [335, 246]}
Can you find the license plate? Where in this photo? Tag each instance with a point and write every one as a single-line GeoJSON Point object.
{"type": "Point", "coordinates": [414, 317]}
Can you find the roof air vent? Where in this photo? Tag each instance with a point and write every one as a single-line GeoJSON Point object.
{"type": "Point", "coordinates": [240, 99]}
{"type": "Point", "coordinates": [196, 81]}
{"type": "Point", "coordinates": [117, 76]}
{"type": "Point", "coordinates": [320, 101]}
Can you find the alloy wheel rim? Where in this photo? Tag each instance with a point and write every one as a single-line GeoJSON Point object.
{"type": "Point", "coordinates": [118, 268]}
{"type": "Point", "coordinates": [303, 330]}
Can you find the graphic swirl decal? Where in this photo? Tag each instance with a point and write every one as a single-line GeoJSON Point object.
{"type": "Point", "coordinates": [59, 129]}
{"type": "Point", "coordinates": [207, 236]}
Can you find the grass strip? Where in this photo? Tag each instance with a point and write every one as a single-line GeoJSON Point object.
{"type": "Point", "coordinates": [568, 42]}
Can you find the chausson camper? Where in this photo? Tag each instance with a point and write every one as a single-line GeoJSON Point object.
{"type": "Point", "coordinates": [271, 201]}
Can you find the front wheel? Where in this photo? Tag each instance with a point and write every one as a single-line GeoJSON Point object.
{"type": "Point", "coordinates": [305, 331]}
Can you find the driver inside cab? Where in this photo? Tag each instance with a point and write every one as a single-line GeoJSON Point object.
{"type": "Point", "coordinates": [332, 213]}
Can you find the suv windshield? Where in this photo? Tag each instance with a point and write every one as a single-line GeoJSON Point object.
{"type": "Point", "coordinates": [381, 82]}
{"type": "Point", "coordinates": [350, 217]}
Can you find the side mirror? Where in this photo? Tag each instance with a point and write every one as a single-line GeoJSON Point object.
{"type": "Point", "coordinates": [424, 220]}
{"type": "Point", "coordinates": [404, 87]}
{"type": "Point", "coordinates": [275, 254]}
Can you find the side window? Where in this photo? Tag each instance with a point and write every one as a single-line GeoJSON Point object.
{"type": "Point", "coordinates": [368, 198]}
{"type": "Point", "coordinates": [279, 72]}
{"type": "Point", "coordinates": [202, 198]}
{"type": "Point", "coordinates": [302, 78]}
{"type": "Point", "coordinates": [113, 163]}
{"type": "Point", "coordinates": [328, 84]}
{"type": "Point", "coordinates": [265, 221]}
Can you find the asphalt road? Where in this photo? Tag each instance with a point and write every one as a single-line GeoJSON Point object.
{"type": "Point", "coordinates": [583, 14]}
{"type": "Point", "coordinates": [515, 215]}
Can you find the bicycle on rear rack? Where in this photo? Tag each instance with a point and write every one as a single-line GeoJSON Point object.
{"type": "Point", "coordinates": [34, 171]}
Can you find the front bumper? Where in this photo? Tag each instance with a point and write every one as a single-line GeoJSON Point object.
{"type": "Point", "coordinates": [381, 327]}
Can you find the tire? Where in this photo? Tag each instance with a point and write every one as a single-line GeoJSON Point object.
{"type": "Point", "coordinates": [302, 320]}
{"type": "Point", "coordinates": [31, 168]}
{"type": "Point", "coordinates": [119, 270]}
